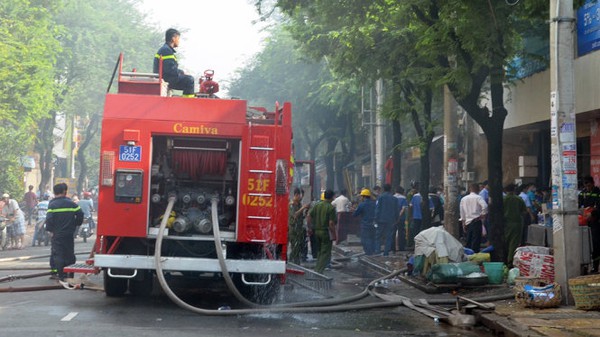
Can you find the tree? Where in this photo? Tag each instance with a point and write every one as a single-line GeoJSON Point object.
{"type": "Point", "coordinates": [28, 52]}
{"type": "Point", "coordinates": [93, 35]}
{"type": "Point", "coordinates": [319, 100]}
{"type": "Point", "coordinates": [368, 40]}
{"type": "Point", "coordinates": [468, 44]}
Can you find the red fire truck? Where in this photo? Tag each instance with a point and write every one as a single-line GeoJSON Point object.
{"type": "Point", "coordinates": [200, 154]}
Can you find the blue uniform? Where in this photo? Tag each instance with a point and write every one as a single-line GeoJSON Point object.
{"type": "Point", "coordinates": [386, 217]}
{"type": "Point", "coordinates": [171, 72]}
{"type": "Point", "coordinates": [366, 209]}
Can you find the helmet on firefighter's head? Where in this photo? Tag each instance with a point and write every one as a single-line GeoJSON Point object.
{"type": "Point", "coordinates": [209, 73]}
{"type": "Point", "coordinates": [365, 192]}
{"type": "Point", "coordinates": [323, 195]}
{"type": "Point", "coordinates": [5, 196]}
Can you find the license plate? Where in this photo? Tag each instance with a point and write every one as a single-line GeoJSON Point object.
{"type": "Point", "coordinates": [130, 153]}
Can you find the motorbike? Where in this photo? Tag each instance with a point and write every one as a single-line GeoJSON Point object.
{"type": "Point", "coordinates": [41, 235]}
{"type": "Point", "coordinates": [3, 233]}
{"type": "Point", "coordinates": [84, 230]}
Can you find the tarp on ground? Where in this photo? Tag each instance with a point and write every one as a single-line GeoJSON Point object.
{"type": "Point", "coordinates": [438, 240]}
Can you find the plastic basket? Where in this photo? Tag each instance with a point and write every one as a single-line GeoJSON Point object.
{"type": "Point", "coordinates": [586, 292]}
{"type": "Point", "coordinates": [538, 296]}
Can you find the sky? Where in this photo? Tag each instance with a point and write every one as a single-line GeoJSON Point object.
{"type": "Point", "coordinates": [216, 34]}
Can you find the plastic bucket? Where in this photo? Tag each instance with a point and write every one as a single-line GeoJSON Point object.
{"type": "Point", "coordinates": [494, 271]}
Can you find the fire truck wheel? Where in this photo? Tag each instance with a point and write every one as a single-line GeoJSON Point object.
{"type": "Point", "coordinates": [141, 287]}
{"type": "Point", "coordinates": [114, 287]}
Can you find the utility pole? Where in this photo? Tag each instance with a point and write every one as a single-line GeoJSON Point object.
{"type": "Point", "coordinates": [567, 236]}
{"type": "Point", "coordinates": [371, 125]}
{"type": "Point", "coordinates": [379, 134]}
{"type": "Point", "coordinates": [451, 167]}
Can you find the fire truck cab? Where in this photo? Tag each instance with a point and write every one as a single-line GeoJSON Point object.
{"type": "Point", "coordinates": [195, 150]}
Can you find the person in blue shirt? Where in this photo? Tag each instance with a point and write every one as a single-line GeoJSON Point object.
{"type": "Point", "coordinates": [387, 213]}
{"type": "Point", "coordinates": [366, 209]}
{"type": "Point", "coordinates": [417, 216]}
{"type": "Point", "coordinates": [401, 225]}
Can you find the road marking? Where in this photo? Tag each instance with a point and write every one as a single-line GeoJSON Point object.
{"type": "Point", "coordinates": [69, 317]}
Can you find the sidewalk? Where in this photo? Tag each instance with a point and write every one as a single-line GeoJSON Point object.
{"type": "Point", "coordinates": [508, 319]}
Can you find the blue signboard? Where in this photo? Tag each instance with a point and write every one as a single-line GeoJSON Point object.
{"type": "Point", "coordinates": [130, 153]}
{"type": "Point", "coordinates": [588, 27]}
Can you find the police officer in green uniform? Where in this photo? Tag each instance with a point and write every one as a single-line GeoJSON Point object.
{"type": "Point", "coordinates": [296, 230]}
{"type": "Point", "coordinates": [322, 218]}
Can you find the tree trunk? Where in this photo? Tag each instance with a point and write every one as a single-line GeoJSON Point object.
{"type": "Point", "coordinates": [328, 160]}
{"type": "Point", "coordinates": [90, 132]}
{"type": "Point", "coordinates": [496, 213]}
{"type": "Point", "coordinates": [44, 147]}
{"type": "Point", "coordinates": [494, 131]}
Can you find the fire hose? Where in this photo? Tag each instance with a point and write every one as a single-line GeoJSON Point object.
{"type": "Point", "coordinates": [302, 307]}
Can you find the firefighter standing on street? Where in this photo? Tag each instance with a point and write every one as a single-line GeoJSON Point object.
{"type": "Point", "coordinates": [171, 73]}
{"type": "Point", "coordinates": [62, 218]}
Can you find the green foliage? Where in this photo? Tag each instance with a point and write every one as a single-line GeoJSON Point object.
{"type": "Point", "coordinates": [321, 101]}
{"type": "Point", "coordinates": [94, 33]}
{"type": "Point", "coordinates": [28, 51]}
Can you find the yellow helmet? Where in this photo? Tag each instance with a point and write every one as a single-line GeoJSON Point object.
{"type": "Point", "coordinates": [322, 195]}
{"type": "Point", "coordinates": [365, 192]}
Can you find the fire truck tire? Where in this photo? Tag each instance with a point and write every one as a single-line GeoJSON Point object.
{"type": "Point", "coordinates": [114, 287]}
{"type": "Point", "coordinates": [142, 287]}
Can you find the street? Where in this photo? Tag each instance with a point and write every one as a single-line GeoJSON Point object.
{"type": "Point", "coordinates": [89, 312]}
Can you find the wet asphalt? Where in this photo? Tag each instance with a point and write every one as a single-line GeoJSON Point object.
{"type": "Point", "coordinates": [62, 312]}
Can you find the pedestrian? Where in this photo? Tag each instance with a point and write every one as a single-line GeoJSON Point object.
{"type": "Point", "coordinates": [484, 192]}
{"type": "Point", "coordinates": [417, 215]}
{"type": "Point", "coordinates": [87, 207]}
{"type": "Point", "coordinates": [366, 210]}
{"type": "Point", "coordinates": [31, 201]}
{"type": "Point", "coordinates": [15, 222]}
{"type": "Point", "coordinates": [387, 212]}
{"type": "Point", "coordinates": [296, 230]}
{"type": "Point", "coordinates": [589, 199]}
{"type": "Point", "coordinates": [530, 216]}
{"type": "Point", "coordinates": [401, 225]}
{"type": "Point", "coordinates": [42, 208]}
{"type": "Point", "coordinates": [376, 191]}
{"type": "Point", "coordinates": [342, 208]}
{"type": "Point", "coordinates": [62, 218]}
{"type": "Point", "coordinates": [322, 219]}
{"type": "Point", "coordinates": [472, 211]}
{"type": "Point", "coordinates": [436, 207]}
{"type": "Point", "coordinates": [514, 210]}
{"type": "Point", "coordinates": [171, 73]}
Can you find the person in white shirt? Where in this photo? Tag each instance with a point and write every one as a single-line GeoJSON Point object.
{"type": "Point", "coordinates": [341, 203]}
{"type": "Point", "coordinates": [342, 208]}
{"type": "Point", "coordinates": [472, 210]}
{"type": "Point", "coordinates": [16, 220]}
